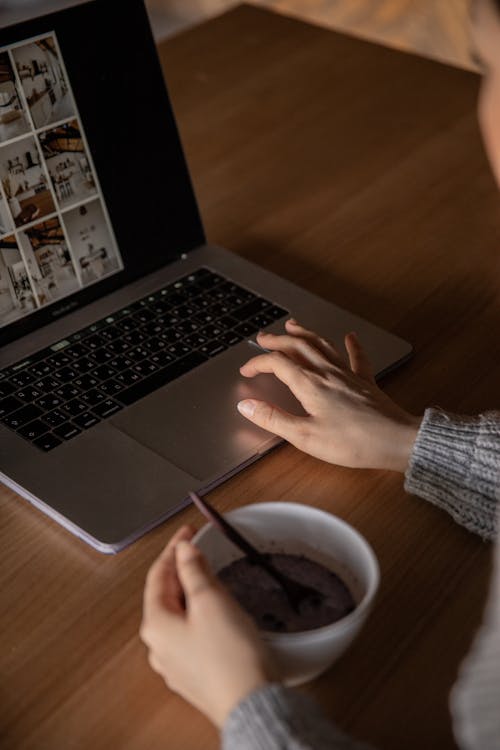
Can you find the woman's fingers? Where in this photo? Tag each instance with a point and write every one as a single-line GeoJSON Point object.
{"type": "Point", "coordinates": [285, 369]}
{"type": "Point", "coordinates": [274, 420]}
{"type": "Point", "coordinates": [194, 573]}
{"type": "Point", "coordinates": [303, 352]}
{"type": "Point", "coordinates": [326, 348]}
{"type": "Point", "coordinates": [360, 363]}
{"type": "Point", "coordinates": [163, 589]}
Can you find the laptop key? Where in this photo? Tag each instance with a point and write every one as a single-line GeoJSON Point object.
{"type": "Point", "coordinates": [161, 358]}
{"type": "Point", "coordinates": [210, 280]}
{"type": "Point", "coordinates": [188, 326]}
{"type": "Point", "coordinates": [250, 309]}
{"type": "Point", "coordinates": [276, 312]}
{"type": "Point", "coordinates": [67, 431]}
{"type": "Point", "coordinates": [246, 329]}
{"type": "Point", "coordinates": [121, 363]}
{"type": "Point", "coordinates": [107, 408]}
{"type": "Point", "coordinates": [67, 392]}
{"type": "Point", "coordinates": [28, 394]}
{"type": "Point", "coordinates": [83, 365]}
{"type": "Point", "coordinates": [77, 350]}
{"type": "Point", "coordinates": [8, 405]}
{"type": "Point", "coordinates": [179, 349]}
{"type": "Point", "coordinates": [261, 320]}
{"type": "Point", "coordinates": [152, 329]}
{"type": "Point", "coordinates": [137, 354]}
{"type": "Point", "coordinates": [75, 407]}
{"type": "Point", "coordinates": [230, 338]}
{"type": "Point", "coordinates": [22, 416]}
{"type": "Point", "coordinates": [155, 344]}
{"type": "Point", "coordinates": [144, 316]}
{"type": "Point", "coordinates": [118, 347]}
{"type": "Point", "coordinates": [86, 420]}
{"type": "Point", "coordinates": [127, 378]}
{"type": "Point", "coordinates": [111, 387]}
{"type": "Point", "coordinates": [96, 341]}
{"type": "Point", "coordinates": [104, 372]}
{"type": "Point", "coordinates": [66, 374]}
{"type": "Point", "coordinates": [55, 418]}
{"type": "Point", "coordinates": [171, 335]}
{"type": "Point", "coordinates": [134, 338]}
{"type": "Point", "coordinates": [93, 397]}
{"type": "Point", "coordinates": [196, 340]}
{"type": "Point", "coordinates": [160, 378]}
{"type": "Point", "coordinates": [6, 388]}
{"type": "Point", "coordinates": [101, 356]}
{"type": "Point", "coordinates": [205, 317]}
{"type": "Point", "coordinates": [59, 360]}
{"type": "Point", "coordinates": [33, 430]}
{"type": "Point", "coordinates": [212, 348]}
{"type": "Point", "coordinates": [22, 378]}
{"type": "Point", "coordinates": [227, 321]}
{"type": "Point", "coordinates": [110, 333]}
{"type": "Point", "coordinates": [47, 385]}
{"type": "Point", "coordinates": [145, 368]}
{"type": "Point", "coordinates": [85, 382]}
{"type": "Point", "coordinates": [211, 331]}
{"type": "Point", "coordinates": [47, 442]}
{"type": "Point", "coordinates": [186, 311]}
{"type": "Point", "coordinates": [49, 402]}
{"type": "Point", "coordinates": [127, 324]}
{"type": "Point", "coordinates": [42, 369]}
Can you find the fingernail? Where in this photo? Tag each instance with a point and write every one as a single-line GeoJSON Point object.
{"type": "Point", "coordinates": [183, 551]}
{"type": "Point", "coordinates": [293, 321]}
{"type": "Point", "coordinates": [247, 408]}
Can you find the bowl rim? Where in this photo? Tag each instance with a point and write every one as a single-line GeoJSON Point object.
{"type": "Point", "coordinates": [361, 609]}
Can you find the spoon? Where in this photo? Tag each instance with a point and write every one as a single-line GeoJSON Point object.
{"type": "Point", "coordinates": [296, 593]}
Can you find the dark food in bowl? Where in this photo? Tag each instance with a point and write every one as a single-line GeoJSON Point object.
{"type": "Point", "coordinates": [264, 599]}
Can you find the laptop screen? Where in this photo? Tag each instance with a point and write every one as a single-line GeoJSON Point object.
{"type": "Point", "coordinates": [94, 189]}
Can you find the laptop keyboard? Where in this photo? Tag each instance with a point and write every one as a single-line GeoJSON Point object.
{"type": "Point", "coordinates": [74, 384]}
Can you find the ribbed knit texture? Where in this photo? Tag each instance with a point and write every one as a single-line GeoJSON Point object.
{"type": "Point", "coordinates": [475, 700]}
{"type": "Point", "coordinates": [277, 718]}
{"type": "Point", "coordinates": [455, 464]}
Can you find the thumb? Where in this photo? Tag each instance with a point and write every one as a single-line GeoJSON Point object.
{"type": "Point", "coordinates": [272, 418]}
{"type": "Point", "coordinates": [193, 571]}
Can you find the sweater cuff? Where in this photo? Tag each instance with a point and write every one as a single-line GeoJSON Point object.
{"type": "Point", "coordinates": [455, 464]}
{"type": "Point", "coordinates": [274, 717]}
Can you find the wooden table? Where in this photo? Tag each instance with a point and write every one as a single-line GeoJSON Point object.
{"type": "Point", "coordinates": [358, 172]}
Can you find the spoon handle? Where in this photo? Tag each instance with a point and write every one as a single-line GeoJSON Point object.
{"type": "Point", "coordinates": [212, 515]}
{"type": "Point", "coordinates": [295, 592]}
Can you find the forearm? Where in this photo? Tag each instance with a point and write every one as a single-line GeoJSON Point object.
{"type": "Point", "coordinates": [277, 718]}
{"type": "Point", "coordinates": [455, 464]}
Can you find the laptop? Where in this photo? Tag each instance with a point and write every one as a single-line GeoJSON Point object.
{"type": "Point", "coordinates": [122, 329]}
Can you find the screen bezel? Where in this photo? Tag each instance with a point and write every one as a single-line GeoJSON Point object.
{"type": "Point", "coordinates": [174, 199]}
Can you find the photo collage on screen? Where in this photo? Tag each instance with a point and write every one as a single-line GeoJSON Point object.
{"type": "Point", "coordinates": [55, 232]}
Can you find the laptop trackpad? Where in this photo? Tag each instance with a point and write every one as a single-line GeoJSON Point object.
{"type": "Point", "coordinates": [194, 423]}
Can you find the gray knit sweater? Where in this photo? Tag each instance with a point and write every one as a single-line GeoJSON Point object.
{"type": "Point", "coordinates": [455, 464]}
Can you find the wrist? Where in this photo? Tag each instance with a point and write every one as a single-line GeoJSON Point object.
{"type": "Point", "coordinates": [403, 442]}
{"type": "Point", "coordinates": [232, 697]}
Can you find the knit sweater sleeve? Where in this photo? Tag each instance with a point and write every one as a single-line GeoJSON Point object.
{"type": "Point", "coordinates": [455, 464]}
{"type": "Point", "coordinates": [277, 718]}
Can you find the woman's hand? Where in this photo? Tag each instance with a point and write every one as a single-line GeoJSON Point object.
{"type": "Point", "coordinates": [200, 641]}
{"type": "Point", "coordinates": [350, 421]}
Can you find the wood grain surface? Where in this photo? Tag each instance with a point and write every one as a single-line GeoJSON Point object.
{"type": "Point", "coordinates": [358, 172]}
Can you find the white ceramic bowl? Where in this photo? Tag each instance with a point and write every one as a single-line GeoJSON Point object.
{"type": "Point", "coordinates": [294, 528]}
